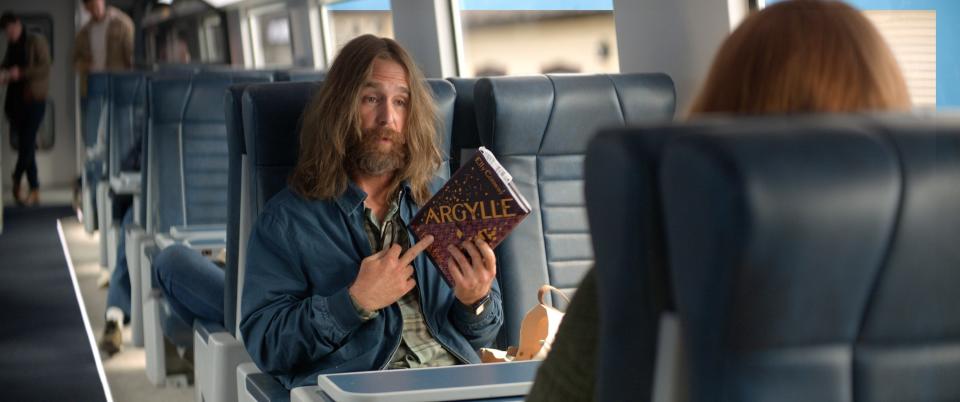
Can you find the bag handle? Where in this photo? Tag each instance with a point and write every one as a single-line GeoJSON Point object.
{"type": "Point", "coordinates": [547, 288]}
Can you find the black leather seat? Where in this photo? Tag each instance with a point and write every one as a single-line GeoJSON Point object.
{"type": "Point", "coordinates": [538, 127]}
{"type": "Point", "coordinates": [810, 258]}
{"type": "Point", "coordinates": [465, 137]}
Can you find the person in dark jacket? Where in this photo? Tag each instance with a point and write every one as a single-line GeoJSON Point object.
{"type": "Point", "coordinates": [26, 71]}
{"type": "Point", "coordinates": [334, 281]}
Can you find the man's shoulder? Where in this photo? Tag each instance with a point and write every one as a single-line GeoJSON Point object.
{"type": "Point", "coordinates": [287, 207]}
{"type": "Point", "coordinates": [116, 14]}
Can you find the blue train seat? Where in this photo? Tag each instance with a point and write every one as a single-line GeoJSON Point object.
{"type": "Point", "coordinates": [125, 127]}
{"type": "Point", "coordinates": [299, 75]}
{"type": "Point", "coordinates": [271, 114]}
{"type": "Point", "coordinates": [810, 258]}
{"type": "Point", "coordinates": [539, 127]}
{"type": "Point", "coordinates": [187, 181]}
{"type": "Point", "coordinates": [95, 108]}
{"type": "Point", "coordinates": [622, 190]}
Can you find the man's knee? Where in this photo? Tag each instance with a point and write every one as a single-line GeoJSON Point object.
{"type": "Point", "coordinates": [172, 261]}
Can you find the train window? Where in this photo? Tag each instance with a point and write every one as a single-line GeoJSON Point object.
{"type": "Point", "coordinates": [500, 37]}
{"type": "Point", "coordinates": [349, 19]}
{"type": "Point", "coordinates": [212, 42]}
{"type": "Point", "coordinates": [270, 31]}
{"type": "Point", "coordinates": [912, 35]}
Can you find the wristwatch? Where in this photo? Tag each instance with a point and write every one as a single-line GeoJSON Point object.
{"type": "Point", "coordinates": [478, 307]}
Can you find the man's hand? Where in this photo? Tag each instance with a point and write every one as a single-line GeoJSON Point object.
{"type": "Point", "coordinates": [14, 73]}
{"type": "Point", "coordinates": [472, 277]}
{"type": "Point", "coordinates": [386, 276]}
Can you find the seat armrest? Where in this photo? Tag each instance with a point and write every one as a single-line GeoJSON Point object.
{"type": "Point", "coordinates": [206, 244]}
{"type": "Point", "coordinates": [191, 231]}
{"type": "Point", "coordinates": [264, 388]}
{"type": "Point", "coordinates": [126, 183]}
{"type": "Point", "coordinates": [309, 393]}
{"type": "Point", "coordinates": [205, 328]}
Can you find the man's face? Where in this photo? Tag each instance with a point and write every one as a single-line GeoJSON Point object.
{"type": "Point", "coordinates": [96, 8]}
{"type": "Point", "coordinates": [13, 31]}
{"type": "Point", "coordinates": [384, 103]}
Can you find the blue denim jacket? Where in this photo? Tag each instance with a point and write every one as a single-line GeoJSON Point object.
{"type": "Point", "coordinates": [297, 319]}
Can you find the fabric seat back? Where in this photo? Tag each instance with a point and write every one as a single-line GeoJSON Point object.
{"type": "Point", "coordinates": [126, 117]}
{"type": "Point", "coordinates": [539, 127]}
{"type": "Point", "coordinates": [813, 258]}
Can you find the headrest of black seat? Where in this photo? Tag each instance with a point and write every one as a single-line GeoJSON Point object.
{"type": "Point", "coordinates": [465, 133]}
{"type": "Point", "coordinates": [558, 114]}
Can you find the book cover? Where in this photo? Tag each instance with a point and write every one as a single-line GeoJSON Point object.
{"type": "Point", "coordinates": [479, 200]}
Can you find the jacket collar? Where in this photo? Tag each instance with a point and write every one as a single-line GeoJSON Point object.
{"type": "Point", "coordinates": [351, 201]}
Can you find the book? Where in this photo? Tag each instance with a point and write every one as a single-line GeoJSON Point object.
{"type": "Point", "coordinates": [479, 200]}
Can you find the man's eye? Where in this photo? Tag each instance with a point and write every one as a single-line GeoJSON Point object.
{"type": "Point", "coordinates": [401, 102]}
{"type": "Point", "coordinates": [370, 99]}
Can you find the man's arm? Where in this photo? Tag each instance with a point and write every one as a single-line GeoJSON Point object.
{"type": "Point", "coordinates": [283, 326]}
{"type": "Point", "coordinates": [473, 267]}
{"type": "Point", "coordinates": [480, 330]}
{"type": "Point", "coordinates": [81, 55]}
{"type": "Point", "coordinates": [39, 66]}
{"type": "Point", "coordinates": [128, 36]}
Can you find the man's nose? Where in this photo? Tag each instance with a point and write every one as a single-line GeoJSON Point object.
{"type": "Point", "coordinates": [386, 115]}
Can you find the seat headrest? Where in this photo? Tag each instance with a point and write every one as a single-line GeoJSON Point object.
{"type": "Point", "coordinates": [558, 114]}
{"type": "Point", "coordinates": [127, 88]}
{"type": "Point", "coordinates": [167, 98]}
{"type": "Point", "coordinates": [206, 93]}
{"type": "Point", "coordinates": [271, 118]}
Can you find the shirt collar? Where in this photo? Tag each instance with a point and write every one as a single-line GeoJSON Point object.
{"type": "Point", "coordinates": [351, 201]}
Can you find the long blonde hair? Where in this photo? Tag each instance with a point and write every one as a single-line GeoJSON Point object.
{"type": "Point", "coordinates": [803, 56]}
{"type": "Point", "coordinates": [332, 122]}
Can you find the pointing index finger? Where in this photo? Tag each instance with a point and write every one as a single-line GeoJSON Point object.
{"type": "Point", "coordinates": [414, 251]}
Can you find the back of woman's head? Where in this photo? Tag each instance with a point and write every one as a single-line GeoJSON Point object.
{"type": "Point", "coordinates": [803, 56]}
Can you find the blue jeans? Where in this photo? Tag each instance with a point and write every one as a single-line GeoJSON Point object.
{"type": "Point", "coordinates": [192, 284]}
{"type": "Point", "coordinates": [26, 127]}
{"type": "Point", "coordinates": [118, 295]}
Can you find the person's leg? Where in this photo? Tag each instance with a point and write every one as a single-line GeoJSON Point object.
{"type": "Point", "coordinates": [28, 143]}
{"type": "Point", "coordinates": [192, 284]}
{"type": "Point", "coordinates": [16, 128]}
{"type": "Point", "coordinates": [118, 296]}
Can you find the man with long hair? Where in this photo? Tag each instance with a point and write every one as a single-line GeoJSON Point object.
{"type": "Point", "coordinates": [333, 282]}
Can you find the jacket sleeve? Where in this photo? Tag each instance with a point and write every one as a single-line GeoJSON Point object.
{"type": "Point", "coordinates": [480, 330]}
{"type": "Point", "coordinates": [40, 63]}
{"type": "Point", "coordinates": [283, 325]}
{"type": "Point", "coordinates": [128, 39]}
{"type": "Point", "coordinates": [81, 52]}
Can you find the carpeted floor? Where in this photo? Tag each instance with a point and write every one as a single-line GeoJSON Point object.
{"type": "Point", "coordinates": [45, 352]}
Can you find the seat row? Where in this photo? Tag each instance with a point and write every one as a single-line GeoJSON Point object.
{"type": "Point", "coordinates": [114, 120]}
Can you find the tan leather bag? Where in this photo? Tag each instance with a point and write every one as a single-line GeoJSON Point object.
{"type": "Point", "coordinates": [537, 330]}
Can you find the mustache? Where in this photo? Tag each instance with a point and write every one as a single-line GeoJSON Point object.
{"type": "Point", "coordinates": [377, 133]}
